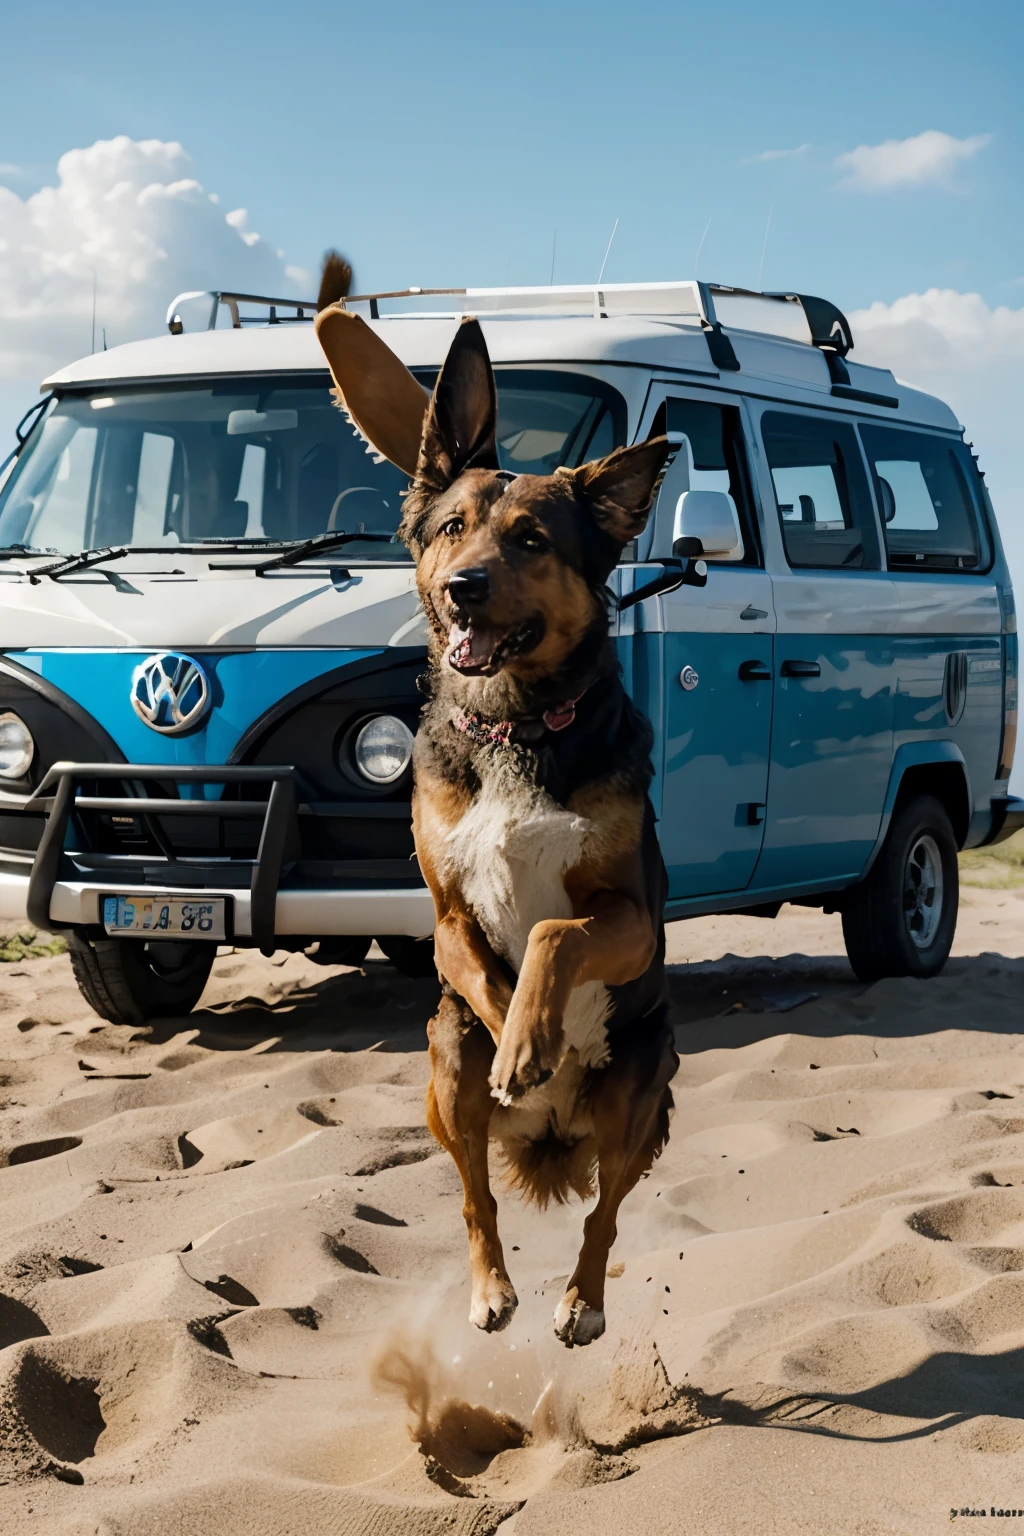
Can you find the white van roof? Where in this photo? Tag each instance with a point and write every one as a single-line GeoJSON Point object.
{"type": "Point", "coordinates": [784, 346]}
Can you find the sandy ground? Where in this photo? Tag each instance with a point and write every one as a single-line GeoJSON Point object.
{"type": "Point", "coordinates": [213, 1228]}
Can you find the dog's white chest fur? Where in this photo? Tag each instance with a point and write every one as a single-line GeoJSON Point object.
{"type": "Point", "coordinates": [511, 851]}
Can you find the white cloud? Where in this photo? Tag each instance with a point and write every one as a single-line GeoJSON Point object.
{"type": "Point", "coordinates": [133, 214]}
{"type": "Point", "coordinates": [927, 158]}
{"type": "Point", "coordinates": [238, 219]}
{"type": "Point", "coordinates": [7, 169]}
{"type": "Point", "coordinates": [947, 338]}
{"type": "Point", "coordinates": [775, 154]}
{"type": "Point", "coordinates": [954, 345]}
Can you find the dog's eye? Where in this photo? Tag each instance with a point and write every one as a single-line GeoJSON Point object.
{"type": "Point", "coordinates": [531, 540]}
{"type": "Point", "coordinates": [453, 527]}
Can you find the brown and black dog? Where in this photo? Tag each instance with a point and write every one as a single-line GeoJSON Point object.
{"type": "Point", "coordinates": [532, 821]}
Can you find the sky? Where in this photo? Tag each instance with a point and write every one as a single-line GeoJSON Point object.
{"type": "Point", "coordinates": [871, 154]}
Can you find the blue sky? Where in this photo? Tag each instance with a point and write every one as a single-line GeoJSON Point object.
{"type": "Point", "coordinates": [144, 150]}
{"type": "Point", "coordinates": [446, 144]}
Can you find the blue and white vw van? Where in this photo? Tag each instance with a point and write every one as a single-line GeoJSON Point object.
{"type": "Point", "coordinates": [210, 639]}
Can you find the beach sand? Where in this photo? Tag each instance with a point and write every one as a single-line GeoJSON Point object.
{"type": "Point", "coordinates": [234, 1284]}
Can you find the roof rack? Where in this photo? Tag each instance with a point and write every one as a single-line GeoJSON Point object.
{"type": "Point", "coordinates": [231, 301]}
{"type": "Point", "coordinates": [827, 324]}
{"type": "Point", "coordinates": [818, 321]}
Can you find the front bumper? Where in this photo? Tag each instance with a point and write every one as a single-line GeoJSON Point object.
{"type": "Point", "coordinates": [75, 903]}
{"type": "Point", "coordinates": [54, 894]}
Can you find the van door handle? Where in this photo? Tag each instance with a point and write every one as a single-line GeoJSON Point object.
{"type": "Point", "coordinates": [755, 672]}
{"type": "Point", "coordinates": [750, 612]}
{"type": "Point", "coordinates": [795, 668]}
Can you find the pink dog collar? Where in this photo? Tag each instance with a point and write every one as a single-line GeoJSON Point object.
{"type": "Point", "coordinates": [498, 733]}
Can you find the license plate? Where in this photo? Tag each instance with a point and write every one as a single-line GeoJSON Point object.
{"type": "Point", "coordinates": [165, 917]}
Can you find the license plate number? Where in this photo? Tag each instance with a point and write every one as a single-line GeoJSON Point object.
{"type": "Point", "coordinates": [165, 917]}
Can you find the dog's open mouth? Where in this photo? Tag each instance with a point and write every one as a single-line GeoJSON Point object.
{"type": "Point", "coordinates": [480, 650]}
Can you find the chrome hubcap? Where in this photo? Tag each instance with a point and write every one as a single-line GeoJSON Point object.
{"type": "Point", "coordinates": [922, 891]}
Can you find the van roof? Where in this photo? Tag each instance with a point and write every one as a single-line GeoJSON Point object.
{"type": "Point", "coordinates": [783, 346]}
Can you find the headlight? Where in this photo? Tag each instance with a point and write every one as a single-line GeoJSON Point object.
{"type": "Point", "coordinates": [17, 748]}
{"type": "Point", "coordinates": [383, 749]}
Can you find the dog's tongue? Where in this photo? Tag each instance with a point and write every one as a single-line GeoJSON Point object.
{"type": "Point", "coordinates": [471, 647]}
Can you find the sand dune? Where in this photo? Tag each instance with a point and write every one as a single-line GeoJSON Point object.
{"type": "Point", "coordinates": [233, 1282]}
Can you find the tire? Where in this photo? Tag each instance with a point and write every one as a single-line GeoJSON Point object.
{"type": "Point", "coordinates": [413, 957]}
{"type": "Point", "coordinates": [348, 951]}
{"type": "Point", "coordinates": [900, 921]}
{"type": "Point", "coordinates": [129, 982]}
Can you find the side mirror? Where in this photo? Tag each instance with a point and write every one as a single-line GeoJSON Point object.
{"type": "Point", "coordinates": [711, 517]}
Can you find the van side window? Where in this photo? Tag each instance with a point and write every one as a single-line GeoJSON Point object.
{"type": "Point", "coordinates": [718, 460]}
{"type": "Point", "coordinates": [928, 517]}
{"type": "Point", "coordinates": [821, 492]}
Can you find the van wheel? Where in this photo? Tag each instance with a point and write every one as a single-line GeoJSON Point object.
{"type": "Point", "coordinates": [900, 921]}
{"type": "Point", "coordinates": [129, 982]}
{"type": "Point", "coordinates": [413, 957]}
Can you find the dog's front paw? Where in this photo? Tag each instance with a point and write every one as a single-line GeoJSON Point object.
{"type": "Point", "coordinates": [576, 1322]}
{"type": "Point", "coordinates": [494, 1302]}
{"type": "Point", "coordinates": [525, 1058]}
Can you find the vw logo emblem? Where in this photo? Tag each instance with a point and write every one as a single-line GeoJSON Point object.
{"type": "Point", "coordinates": [170, 693]}
{"type": "Point", "coordinates": [689, 679]}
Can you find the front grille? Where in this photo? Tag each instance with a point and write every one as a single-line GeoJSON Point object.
{"type": "Point", "coordinates": [290, 813]}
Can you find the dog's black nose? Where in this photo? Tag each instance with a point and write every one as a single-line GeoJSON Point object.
{"type": "Point", "coordinates": [470, 585]}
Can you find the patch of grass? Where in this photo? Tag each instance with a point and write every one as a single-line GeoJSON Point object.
{"type": "Point", "coordinates": [25, 944]}
{"type": "Point", "coordinates": [998, 868]}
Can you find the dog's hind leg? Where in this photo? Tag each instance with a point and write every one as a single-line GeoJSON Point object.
{"type": "Point", "coordinates": [630, 1108]}
{"type": "Point", "coordinates": [459, 1109]}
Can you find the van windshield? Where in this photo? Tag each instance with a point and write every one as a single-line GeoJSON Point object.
{"type": "Point", "coordinates": [249, 459]}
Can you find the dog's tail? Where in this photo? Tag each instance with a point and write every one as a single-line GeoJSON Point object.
{"type": "Point", "coordinates": [550, 1168]}
{"type": "Point", "coordinates": [335, 279]}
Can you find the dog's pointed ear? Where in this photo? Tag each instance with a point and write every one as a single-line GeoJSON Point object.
{"type": "Point", "coordinates": [618, 489]}
{"type": "Point", "coordinates": [385, 402]}
{"type": "Point", "coordinates": [461, 423]}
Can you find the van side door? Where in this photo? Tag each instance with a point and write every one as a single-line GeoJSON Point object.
{"type": "Point", "coordinates": [704, 658]}
{"type": "Point", "coordinates": [837, 615]}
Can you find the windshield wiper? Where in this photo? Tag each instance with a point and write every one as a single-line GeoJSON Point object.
{"type": "Point", "coordinates": [10, 551]}
{"type": "Point", "coordinates": [80, 562]}
{"type": "Point", "coordinates": [243, 541]}
{"type": "Point", "coordinates": [320, 543]}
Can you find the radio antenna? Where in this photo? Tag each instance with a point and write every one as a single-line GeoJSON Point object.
{"type": "Point", "coordinates": [767, 229]}
{"type": "Point", "coordinates": [604, 263]}
{"type": "Point", "coordinates": [696, 259]}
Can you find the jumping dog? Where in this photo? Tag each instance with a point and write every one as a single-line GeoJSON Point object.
{"type": "Point", "coordinates": [531, 816]}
